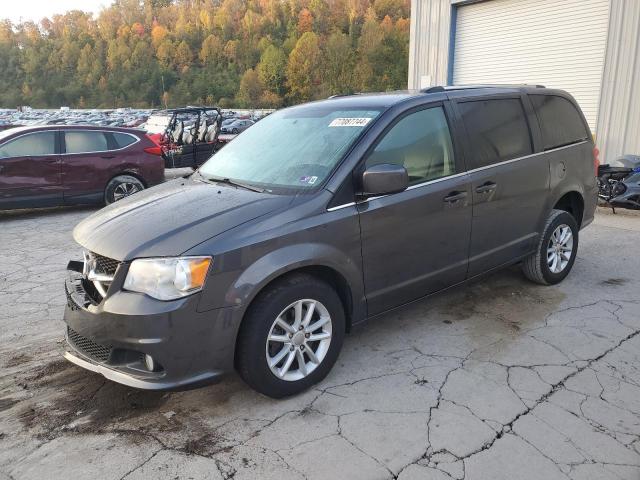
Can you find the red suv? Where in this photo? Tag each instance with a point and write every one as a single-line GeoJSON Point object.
{"type": "Point", "coordinates": [63, 165]}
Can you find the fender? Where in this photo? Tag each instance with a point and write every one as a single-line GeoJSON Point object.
{"type": "Point", "coordinates": [561, 192]}
{"type": "Point", "coordinates": [555, 195]}
{"type": "Point", "coordinates": [134, 171]}
{"type": "Point", "coordinates": [292, 257]}
{"type": "Point", "coordinates": [567, 171]}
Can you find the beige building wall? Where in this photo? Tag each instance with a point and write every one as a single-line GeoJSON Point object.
{"type": "Point", "coordinates": [618, 130]}
{"type": "Point", "coordinates": [618, 118]}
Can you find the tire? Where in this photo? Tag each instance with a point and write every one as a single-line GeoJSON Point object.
{"type": "Point", "coordinates": [278, 301]}
{"type": "Point", "coordinates": [235, 131]}
{"type": "Point", "coordinates": [118, 187]}
{"type": "Point", "coordinates": [539, 267]}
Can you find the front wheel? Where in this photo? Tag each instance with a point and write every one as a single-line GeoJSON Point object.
{"type": "Point", "coordinates": [556, 250]}
{"type": "Point", "coordinates": [291, 336]}
{"type": "Point", "coordinates": [120, 187]}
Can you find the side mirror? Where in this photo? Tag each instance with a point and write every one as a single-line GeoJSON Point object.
{"type": "Point", "coordinates": [384, 179]}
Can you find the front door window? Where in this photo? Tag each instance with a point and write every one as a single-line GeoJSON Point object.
{"type": "Point", "coordinates": [421, 143]}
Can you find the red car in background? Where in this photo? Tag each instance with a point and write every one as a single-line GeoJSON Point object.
{"type": "Point", "coordinates": [55, 165]}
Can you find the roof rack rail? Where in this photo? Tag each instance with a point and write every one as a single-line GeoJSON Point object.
{"type": "Point", "coordinates": [338, 95]}
{"type": "Point", "coordinates": [438, 88]}
{"type": "Point", "coordinates": [444, 88]}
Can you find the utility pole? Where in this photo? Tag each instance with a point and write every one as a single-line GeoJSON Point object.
{"type": "Point", "coordinates": [164, 97]}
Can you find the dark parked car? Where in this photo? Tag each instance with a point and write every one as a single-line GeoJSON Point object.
{"type": "Point", "coordinates": [236, 127]}
{"type": "Point", "coordinates": [63, 164]}
{"type": "Point", "coordinates": [319, 217]}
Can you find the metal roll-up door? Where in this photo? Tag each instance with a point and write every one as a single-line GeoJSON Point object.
{"type": "Point", "coordinates": [556, 43]}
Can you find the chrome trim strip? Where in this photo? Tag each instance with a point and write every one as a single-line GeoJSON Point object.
{"type": "Point", "coordinates": [468, 172]}
{"type": "Point", "coordinates": [338, 207]}
{"type": "Point", "coordinates": [419, 185]}
{"type": "Point", "coordinates": [437, 180]}
{"type": "Point", "coordinates": [486, 167]}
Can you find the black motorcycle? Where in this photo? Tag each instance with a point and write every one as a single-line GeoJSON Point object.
{"type": "Point", "coordinates": [619, 183]}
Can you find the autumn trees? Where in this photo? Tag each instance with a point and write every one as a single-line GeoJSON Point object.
{"type": "Point", "coordinates": [243, 53]}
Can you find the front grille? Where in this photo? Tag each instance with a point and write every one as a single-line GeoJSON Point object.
{"type": "Point", "coordinates": [105, 264]}
{"type": "Point", "coordinates": [99, 271]}
{"type": "Point", "coordinates": [91, 349]}
{"type": "Point", "coordinates": [91, 292]}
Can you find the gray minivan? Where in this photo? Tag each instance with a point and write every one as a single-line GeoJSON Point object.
{"type": "Point", "coordinates": [319, 217]}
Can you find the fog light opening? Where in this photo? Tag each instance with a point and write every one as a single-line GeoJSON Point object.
{"type": "Point", "coordinates": [150, 363]}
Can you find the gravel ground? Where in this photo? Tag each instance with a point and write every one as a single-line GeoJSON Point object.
{"type": "Point", "coordinates": [501, 379]}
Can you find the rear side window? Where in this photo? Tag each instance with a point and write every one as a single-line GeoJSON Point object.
{"type": "Point", "coordinates": [33, 144]}
{"type": "Point", "coordinates": [122, 139]}
{"type": "Point", "coordinates": [85, 141]}
{"type": "Point", "coordinates": [560, 121]}
{"type": "Point", "coordinates": [421, 143]}
{"type": "Point", "coordinates": [497, 130]}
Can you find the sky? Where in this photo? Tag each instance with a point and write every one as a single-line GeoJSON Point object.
{"type": "Point", "coordinates": [16, 10]}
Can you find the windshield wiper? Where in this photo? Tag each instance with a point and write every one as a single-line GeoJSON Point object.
{"type": "Point", "coordinates": [228, 181]}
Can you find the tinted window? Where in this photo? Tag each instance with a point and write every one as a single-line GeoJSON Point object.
{"type": "Point", "coordinates": [560, 122]}
{"type": "Point", "coordinates": [33, 144]}
{"type": "Point", "coordinates": [84, 141]}
{"type": "Point", "coordinates": [421, 143]}
{"type": "Point", "coordinates": [497, 130]}
{"type": "Point", "coordinates": [122, 139]}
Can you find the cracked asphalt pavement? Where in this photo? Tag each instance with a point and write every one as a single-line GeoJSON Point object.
{"type": "Point", "coordinates": [501, 379]}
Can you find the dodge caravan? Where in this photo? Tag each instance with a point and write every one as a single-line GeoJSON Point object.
{"type": "Point", "coordinates": [319, 217]}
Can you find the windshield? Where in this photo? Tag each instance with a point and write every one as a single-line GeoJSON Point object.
{"type": "Point", "coordinates": [296, 148]}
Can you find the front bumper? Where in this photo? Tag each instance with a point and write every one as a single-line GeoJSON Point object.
{"type": "Point", "coordinates": [190, 348]}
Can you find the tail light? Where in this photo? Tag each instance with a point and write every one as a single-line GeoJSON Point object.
{"type": "Point", "coordinates": [596, 159]}
{"type": "Point", "coordinates": [157, 150]}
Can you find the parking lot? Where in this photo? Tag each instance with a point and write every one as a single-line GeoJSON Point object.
{"type": "Point", "coordinates": [502, 379]}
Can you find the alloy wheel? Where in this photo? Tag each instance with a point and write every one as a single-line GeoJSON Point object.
{"type": "Point", "coordinates": [124, 190]}
{"type": "Point", "coordinates": [559, 248]}
{"type": "Point", "coordinates": [299, 340]}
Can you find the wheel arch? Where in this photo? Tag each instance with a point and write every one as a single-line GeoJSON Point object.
{"type": "Point", "coordinates": [332, 277]}
{"type": "Point", "coordinates": [320, 260]}
{"type": "Point", "coordinates": [130, 173]}
{"type": "Point", "coordinates": [571, 202]}
{"type": "Point", "coordinates": [323, 272]}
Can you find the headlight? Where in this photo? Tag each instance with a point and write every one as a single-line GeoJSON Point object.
{"type": "Point", "coordinates": [167, 278]}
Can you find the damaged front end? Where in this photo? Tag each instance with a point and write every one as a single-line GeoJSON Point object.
{"type": "Point", "coordinates": [99, 273]}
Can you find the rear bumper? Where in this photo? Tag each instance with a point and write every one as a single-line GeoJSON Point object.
{"type": "Point", "coordinates": [189, 348]}
{"type": "Point", "coordinates": [590, 204]}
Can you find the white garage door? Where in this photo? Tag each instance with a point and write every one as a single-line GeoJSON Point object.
{"type": "Point", "coordinates": [556, 43]}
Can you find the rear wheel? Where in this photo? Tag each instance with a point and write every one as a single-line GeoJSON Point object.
{"type": "Point", "coordinates": [291, 336]}
{"type": "Point", "coordinates": [556, 251]}
{"type": "Point", "coordinates": [120, 187]}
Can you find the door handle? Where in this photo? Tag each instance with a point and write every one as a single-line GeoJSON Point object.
{"type": "Point", "coordinates": [454, 197]}
{"type": "Point", "coordinates": [486, 187]}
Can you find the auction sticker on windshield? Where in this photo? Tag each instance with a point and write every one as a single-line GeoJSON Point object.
{"type": "Point", "coordinates": [350, 122]}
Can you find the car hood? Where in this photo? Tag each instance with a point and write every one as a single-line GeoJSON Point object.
{"type": "Point", "coordinates": [171, 218]}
